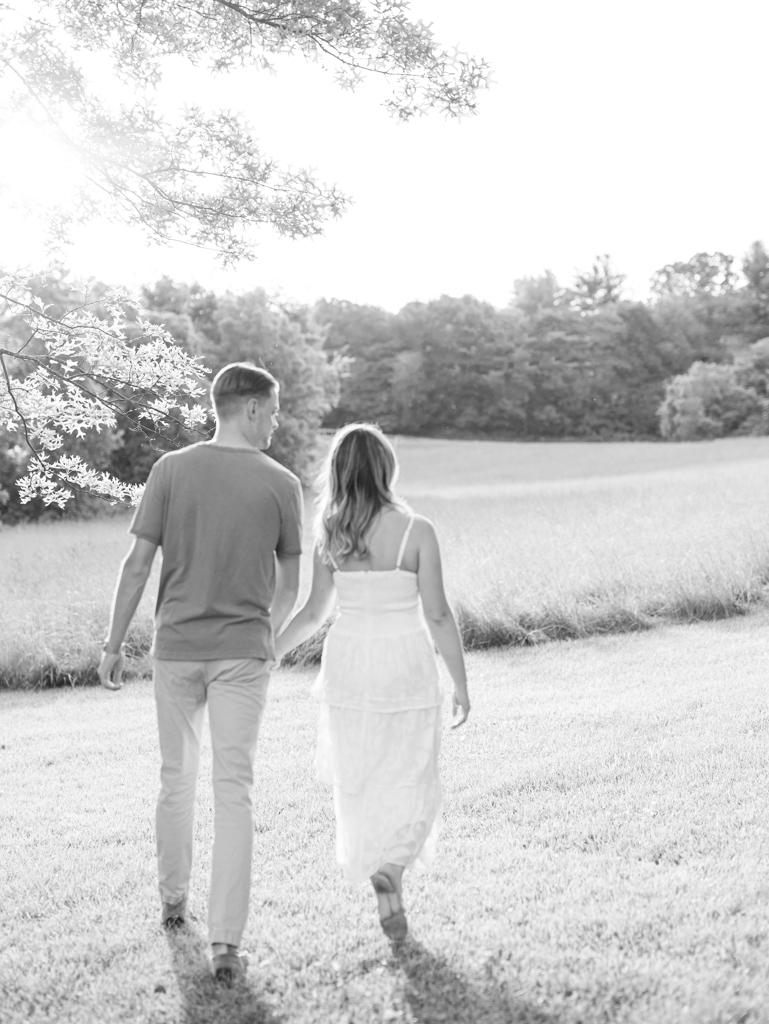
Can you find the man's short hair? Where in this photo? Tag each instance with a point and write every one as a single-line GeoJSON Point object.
{"type": "Point", "coordinates": [235, 383]}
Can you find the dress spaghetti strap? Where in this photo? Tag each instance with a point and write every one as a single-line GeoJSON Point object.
{"type": "Point", "coordinates": [404, 542]}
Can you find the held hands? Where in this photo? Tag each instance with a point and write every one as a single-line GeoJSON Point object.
{"type": "Point", "coordinates": [460, 706]}
{"type": "Point", "coordinates": [110, 670]}
{"type": "Point", "coordinates": [280, 652]}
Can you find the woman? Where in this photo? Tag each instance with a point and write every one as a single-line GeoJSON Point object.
{"type": "Point", "coordinates": [380, 720]}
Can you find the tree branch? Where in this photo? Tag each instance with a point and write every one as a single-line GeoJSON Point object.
{"type": "Point", "coordinates": [46, 362]}
{"type": "Point", "coordinates": [22, 418]}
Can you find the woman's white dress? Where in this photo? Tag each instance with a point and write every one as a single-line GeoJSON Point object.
{"type": "Point", "coordinates": [380, 722]}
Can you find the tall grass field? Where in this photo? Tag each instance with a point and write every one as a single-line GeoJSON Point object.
{"type": "Point", "coordinates": [540, 541]}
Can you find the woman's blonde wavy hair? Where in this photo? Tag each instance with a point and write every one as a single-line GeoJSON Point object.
{"type": "Point", "coordinates": [357, 482]}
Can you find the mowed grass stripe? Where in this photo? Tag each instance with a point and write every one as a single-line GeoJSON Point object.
{"type": "Point", "coordinates": [430, 465]}
{"type": "Point", "coordinates": [603, 857]}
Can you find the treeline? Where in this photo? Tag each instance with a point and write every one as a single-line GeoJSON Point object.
{"type": "Point", "coordinates": [558, 362]}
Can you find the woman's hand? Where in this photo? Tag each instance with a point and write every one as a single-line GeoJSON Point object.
{"type": "Point", "coordinates": [460, 706]}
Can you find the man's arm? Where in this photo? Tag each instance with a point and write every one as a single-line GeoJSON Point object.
{"type": "Point", "coordinates": [134, 573]}
{"type": "Point", "coordinates": [315, 611]}
{"type": "Point", "coordinates": [286, 590]}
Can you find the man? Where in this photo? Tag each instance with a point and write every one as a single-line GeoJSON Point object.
{"type": "Point", "coordinates": [229, 521]}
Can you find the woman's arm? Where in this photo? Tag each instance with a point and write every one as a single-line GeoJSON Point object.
{"type": "Point", "coordinates": [313, 614]}
{"type": "Point", "coordinates": [440, 618]}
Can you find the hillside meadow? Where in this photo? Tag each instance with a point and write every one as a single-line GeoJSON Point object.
{"type": "Point", "coordinates": [602, 861]}
{"type": "Point", "coordinates": [540, 541]}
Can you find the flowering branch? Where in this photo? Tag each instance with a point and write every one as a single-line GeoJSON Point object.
{"type": "Point", "coordinates": [96, 364]}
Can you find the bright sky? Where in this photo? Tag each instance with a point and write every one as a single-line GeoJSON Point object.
{"type": "Point", "coordinates": [633, 128]}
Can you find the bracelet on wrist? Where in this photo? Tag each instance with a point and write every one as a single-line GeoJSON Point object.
{"type": "Point", "coordinates": [105, 647]}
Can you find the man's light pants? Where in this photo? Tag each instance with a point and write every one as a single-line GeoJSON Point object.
{"type": "Point", "coordinates": [236, 692]}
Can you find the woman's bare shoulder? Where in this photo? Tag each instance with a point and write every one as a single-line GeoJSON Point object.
{"type": "Point", "coordinates": [423, 527]}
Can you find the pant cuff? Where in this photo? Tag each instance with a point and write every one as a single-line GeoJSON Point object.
{"type": "Point", "coordinates": [169, 896]}
{"type": "Point", "coordinates": [222, 935]}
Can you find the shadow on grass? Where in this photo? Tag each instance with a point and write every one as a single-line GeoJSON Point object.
{"type": "Point", "coordinates": [203, 1000]}
{"type": "Point", "coordinates": [436, 993]}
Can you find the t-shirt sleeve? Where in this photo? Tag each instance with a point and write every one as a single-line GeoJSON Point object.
{"type": "Point", "coordinates": [292, 515]}
{"type": "Point", "coordinates": [148, 518]}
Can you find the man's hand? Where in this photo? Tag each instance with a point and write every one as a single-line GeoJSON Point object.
{"type": "Point", "coordinates": [134, 573]}
{"type": "Point", "coordinates": [111, 671]}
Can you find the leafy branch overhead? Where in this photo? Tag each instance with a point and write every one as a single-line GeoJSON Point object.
{"type": "Point", "coordinates": [79, 372]}
{"type": "Point", "coordinates": [202, 178]}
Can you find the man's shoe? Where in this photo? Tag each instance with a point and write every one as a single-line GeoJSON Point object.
{"type": "Point", "coordinates": [228, 967]}
{"type": "Point", "coordinates": [174, 914]}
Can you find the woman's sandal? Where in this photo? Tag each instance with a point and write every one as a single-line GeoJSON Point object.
{"type": "Point", "coordinates": [393, 921]}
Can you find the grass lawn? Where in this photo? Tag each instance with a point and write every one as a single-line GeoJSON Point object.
{"type": "Point", "coordinates": [604, 856]}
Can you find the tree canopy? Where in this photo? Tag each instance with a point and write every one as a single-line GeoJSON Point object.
{"type": "Point", "coordinates": [198, 176]}
{"type": "Point", "coordinates": [201, 176]}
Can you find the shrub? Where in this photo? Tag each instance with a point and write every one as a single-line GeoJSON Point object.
{"type": "Point", "coordinates": [708, 401]}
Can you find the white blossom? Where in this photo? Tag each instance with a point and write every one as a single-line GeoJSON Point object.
{"type": "Point", "coordinates": [86, 367]}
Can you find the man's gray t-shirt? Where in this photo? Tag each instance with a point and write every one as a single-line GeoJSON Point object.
{"type": "Point", "coordinates": [220, 515]}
